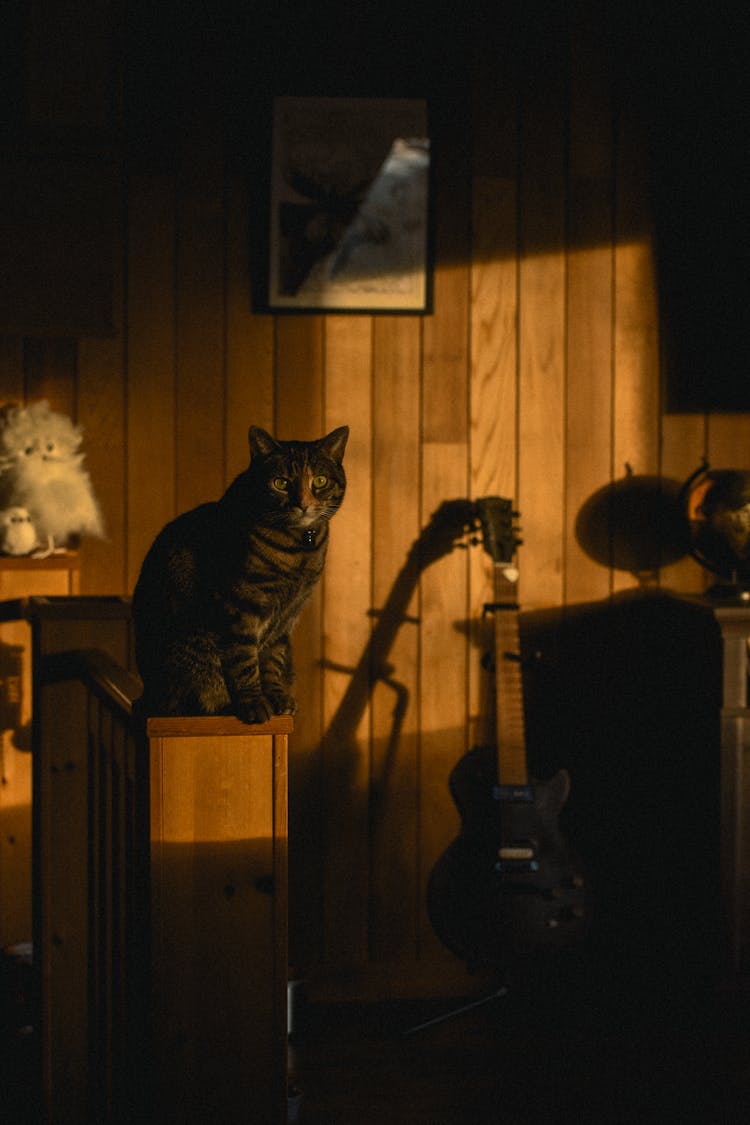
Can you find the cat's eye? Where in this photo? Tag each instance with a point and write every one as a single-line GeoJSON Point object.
{"type": "Point", "coordinates": [319, 481]}
{"type": "Point", "coordinates": [281, 484]}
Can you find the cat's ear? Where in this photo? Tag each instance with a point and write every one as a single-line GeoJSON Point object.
{"type": "Point", "coordinates": [334, 444]}
{"type": "Point", "coordinates": [260, 441]}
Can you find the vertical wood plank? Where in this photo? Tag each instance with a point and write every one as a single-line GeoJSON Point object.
{"type": "Point", "coordinates": [151, 350]}
{"type": "Point", "coordinates": [588, 414]}
{"type": "Point", "coordinates": [199, 438]}
{"type": "Point", "coordinates": [588, 405]}
{"type": "Point", "coordinates": [541, 491]}
{"type": "Point", "coordinates": [494, 341]}
{"type": "Point", "coordinates": [101, 395]}
{"type": "Point", "coordinates": [636, 360]}
{"type": "Point", "coordinates": [249, 340]}
{"type": "Point", "coordinates": [50, 372]}
{"type": "Point", "coordinates": [345, 758]}
{"type": "Point", "coordinates": [393, 871]}
{"type": "Point", "coordinates": [445, 341]}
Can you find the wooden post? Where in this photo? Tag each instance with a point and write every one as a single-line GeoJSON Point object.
{"type": "Point", "coordinates": [735, 780]}
{"type": "Point", "coordinates": [219, 918]}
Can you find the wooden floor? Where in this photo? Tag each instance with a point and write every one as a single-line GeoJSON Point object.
{"type": "Point", "coordinates": [599, 1054]}
{"type": "Point", "coordinates": [595, 1046]}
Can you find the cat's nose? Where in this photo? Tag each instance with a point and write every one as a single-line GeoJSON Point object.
{"type": "Point", "coordinates": [305, 499]}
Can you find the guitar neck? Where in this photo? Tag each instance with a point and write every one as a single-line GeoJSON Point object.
{"type": "Point", "coordinates": [511, 730]}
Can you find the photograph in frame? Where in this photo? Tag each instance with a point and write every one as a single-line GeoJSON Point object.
{"type": "Point", "coordinates": [349, 208]}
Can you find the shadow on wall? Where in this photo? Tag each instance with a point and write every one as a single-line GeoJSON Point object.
{"type": "Point", "coordinates": [625, 694]}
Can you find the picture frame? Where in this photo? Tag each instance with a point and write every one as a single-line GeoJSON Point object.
{"type": "Point", "coordinates": [349, 212]}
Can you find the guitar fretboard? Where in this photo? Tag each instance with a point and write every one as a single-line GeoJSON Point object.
{"type": "Point", "coordinates": [511, 730]}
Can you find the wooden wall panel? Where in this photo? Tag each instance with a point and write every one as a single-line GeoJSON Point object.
{"type": "Point", "coordinates": [535, 377]}
{"type": "Point", "coordinates": [636, 345]}
{"type": "Point", "coordinates": [727, 445]}
{"type": "Point", "coordinates": [11, 369]}
{"type": "Point", "coordinates": [199, 289]}
{"type": "Point", "coordinates": [494, 339]}
{"type": "Point", "coordinates": [342, 824]}
{"type": "Point", "coordinates": [249, 339]}
{"type": "Point", "coordinates": [150, 336]}
{"type": "Point", "coordinates": [588, 402]}
{"type": "Point", "coordinates": [101, 389]}
{"type": "Point", "coordinates": [299, 404]}
{"type": "Point", "coordinates": [541, 343]}
{"type": "Point", "coordinates": [397, 524]}
{"type": "Point", "coordinates": [50, 371]}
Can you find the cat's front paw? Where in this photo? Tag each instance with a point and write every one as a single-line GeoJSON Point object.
{"type": "Point", "coordinates": [263, 707]}
{"type": "Point", "coordinates": [252, 711]}
{"type": "Point", "coordinates": [281, 702]}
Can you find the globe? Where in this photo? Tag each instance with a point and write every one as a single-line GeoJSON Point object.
{"type": "Point", "coordinates": [717, 504]}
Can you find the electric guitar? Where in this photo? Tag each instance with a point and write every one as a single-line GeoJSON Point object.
{"type": "Point", "coordinates": [509, 884]}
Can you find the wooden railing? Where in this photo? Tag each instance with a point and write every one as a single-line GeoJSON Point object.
{"type": "Point", "coordinates": [159, 906]}
{"type": "Point", "coordinates": [90, 882]}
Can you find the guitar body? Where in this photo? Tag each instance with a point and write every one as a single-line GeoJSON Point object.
{"type": "Point", "coordinates": [509, 885]}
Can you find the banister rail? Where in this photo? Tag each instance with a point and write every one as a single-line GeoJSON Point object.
{"type": "Point", "coordinates": [98, 671]}
{"type": "Point", "coordinates": [91, 891]}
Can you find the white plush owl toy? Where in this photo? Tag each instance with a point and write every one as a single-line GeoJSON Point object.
{"type": "Point", "coordinates": [17, 532]}
{"type": "Point", "coordinates": [41, 470]}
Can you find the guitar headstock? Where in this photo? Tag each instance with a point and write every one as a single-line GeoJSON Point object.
{"type": "Point", "coordinates": [499, 532]}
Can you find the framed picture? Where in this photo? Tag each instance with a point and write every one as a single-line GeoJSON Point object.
{"type": "Point", "coordinates": [349, 208]}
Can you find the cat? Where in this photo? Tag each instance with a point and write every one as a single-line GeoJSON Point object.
{"type": "Point", "coordinates": [222, 585]}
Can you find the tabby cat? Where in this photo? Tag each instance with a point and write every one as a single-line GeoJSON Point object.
{"type": "Point", "coordinates": [222, 585]}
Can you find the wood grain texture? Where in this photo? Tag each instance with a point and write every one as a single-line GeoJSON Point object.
{"type": "Point", "coordinates": [536, 376]}
{"type": "Point", "coordinates": [443, 616]}
{"type": "Point", "coordinates": [218, 838]}
{"type": "Point", "coordinates": [343, 761]}
{"type": "Point", "coordinates": [200, 349]}
{"type": "Point", "coordinates": [101, 388]}
{"type": "Point", "coordinates": [397, 519]}
{"type": "Point", "coordinates": [541, 342]}
{"type": "Point", "coordinates": [151, 365]}
{"type": "Point", "coordinates": [249, 339]}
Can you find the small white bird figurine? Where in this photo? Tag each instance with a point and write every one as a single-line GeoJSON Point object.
{"type": "Point", "coordinates": [17, 532]}
{"type": "Point", "coordinates": [41, 469]}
